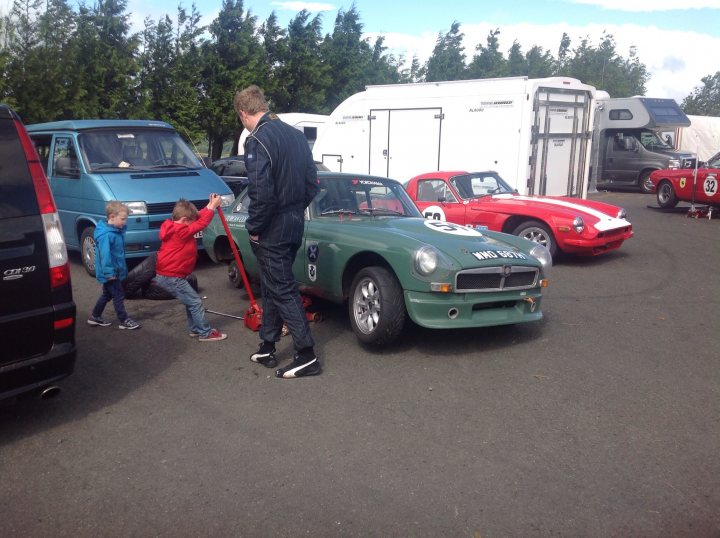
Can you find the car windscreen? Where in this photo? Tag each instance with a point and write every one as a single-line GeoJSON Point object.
{"type": "Point", "coordinates": [17, 192]}
{"type": "Point", "coordinates": [116, 150]}
{"type": "Point", "coordinates": [479, 184]}
{"type": "Point", "coordinates": [362, 196]}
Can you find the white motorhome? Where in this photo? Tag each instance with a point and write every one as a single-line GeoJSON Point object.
{"type": "Point", "coordinates": [534, 132]}
{"type": "Point", "coordinates": [310, 124]}
{"type": "Point", "coordinates": [629, 140]}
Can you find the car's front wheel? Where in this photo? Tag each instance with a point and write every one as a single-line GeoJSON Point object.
{"type": "Point", "coordinates": [534, 230]}
{"type": "Point", "coordinates": [87, 249]}
{"type": "Point", "coordinates": [666, 196]}
{"type": "Point", "coordinates": [376, 306]}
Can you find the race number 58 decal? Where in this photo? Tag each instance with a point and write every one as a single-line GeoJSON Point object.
{"type": "Point", "coordinates": [710, 186]}
{"type": "Point", "coordinates": [434, 212]}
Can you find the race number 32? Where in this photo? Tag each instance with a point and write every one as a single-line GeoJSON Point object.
{"type": "Point", "coordinates": [710, 186]}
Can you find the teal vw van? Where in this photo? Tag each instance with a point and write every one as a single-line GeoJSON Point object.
{"type": "Point", "coordinates": [144, 164]}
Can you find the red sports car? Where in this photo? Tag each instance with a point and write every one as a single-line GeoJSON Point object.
{"type": "Point", "coordinates": [673, 186]}
{"type": "Point", "coordinates": [483, 199]}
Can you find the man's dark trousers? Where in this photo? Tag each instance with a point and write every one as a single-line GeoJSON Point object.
{"type": "Point", "coordinates": [275, 253]}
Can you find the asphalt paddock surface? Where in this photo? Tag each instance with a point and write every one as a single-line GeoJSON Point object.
{"type": "Point", "coordinates": [601, 420]}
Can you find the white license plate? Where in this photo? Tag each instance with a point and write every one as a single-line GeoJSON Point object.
{"type": "Point", "coordinates": [198, 235]}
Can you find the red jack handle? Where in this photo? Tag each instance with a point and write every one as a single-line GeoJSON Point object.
{"type": "Point", "coordinates": [253, 304]}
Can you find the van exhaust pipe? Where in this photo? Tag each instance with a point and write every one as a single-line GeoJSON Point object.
{"type": "Point", "coordinates": [50, 392]}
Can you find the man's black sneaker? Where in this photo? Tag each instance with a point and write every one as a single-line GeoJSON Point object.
{"type": "Point", "coordinates": [300, 368]}
{"type": "Point", "coordinates": [265, 355]}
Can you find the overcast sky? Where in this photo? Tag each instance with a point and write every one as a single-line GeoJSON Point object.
{"type": "Point", "coordinates": [678, 41]}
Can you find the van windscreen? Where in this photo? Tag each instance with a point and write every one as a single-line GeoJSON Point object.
{"type": "Point", "coordinates": [117, 150]}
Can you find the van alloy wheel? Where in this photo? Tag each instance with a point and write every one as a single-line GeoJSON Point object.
{"type": "Point", "coordinates": [87, 249]}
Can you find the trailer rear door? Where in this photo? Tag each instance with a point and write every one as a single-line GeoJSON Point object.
{"type": "Point", "coordinates": [404, 142]}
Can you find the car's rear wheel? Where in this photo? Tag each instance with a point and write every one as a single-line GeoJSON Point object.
{"type": "Point", "coordinates": [376, 306]}
{"type": "Point", "coordinates": [666, 197]}
{"type": "Point", "coordinates": [646, 186]}
{"type": "Point", "coordinates": [87, 249]}
{"type": "Point", "coordinates": [534, 230]}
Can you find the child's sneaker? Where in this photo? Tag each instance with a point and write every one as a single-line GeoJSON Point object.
{"type": "Point", "coordinates": [265, 355]}
{"type": "Point", "coordinates": [98, 322]}
{"type": "Point", "coordinates": [130, 324]}
{"type": "Point", "coordinates": [212, 336]}
{"type": "Point", "coordinates": [193, 334]}
{"type": "Point", "coordinates": [300, 368]}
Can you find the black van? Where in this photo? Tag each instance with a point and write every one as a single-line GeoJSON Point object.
{"type": "Point", "coordinates": [37, 312]}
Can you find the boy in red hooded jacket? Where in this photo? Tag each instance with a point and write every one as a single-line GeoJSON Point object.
{"type": "Point", "coordinates": [176, 260]}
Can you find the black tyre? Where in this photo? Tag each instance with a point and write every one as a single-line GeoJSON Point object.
{"type": "Point", "coordinates": [140, 276]}
{"type": "Point", "coordinates": [87, 249]}
{"type": "Point", "coordinates": [666, 197]}
{"type": "Point", "coordinates": [155, 292]}
{"type": "Point", "coordinates": [646, 186]}
{"type": "Point", "coordinates": [234, 275]}
{"type": "Point", "coordinates": [376, 306]}
{"type": "Point", "coordinates": [534, 230]}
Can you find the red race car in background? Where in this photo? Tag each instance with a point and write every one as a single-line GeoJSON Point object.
{"type": "Point", "coordinates": [673, 186]}
{"type": "Point", "coordinates": [480, 199]}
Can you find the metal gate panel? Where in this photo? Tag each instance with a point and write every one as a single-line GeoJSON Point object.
{"type": "Point", "coordinates": [561, 134]}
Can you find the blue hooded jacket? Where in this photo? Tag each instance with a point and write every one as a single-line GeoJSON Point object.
{"type": "Point", "coordinates": [109, 252]}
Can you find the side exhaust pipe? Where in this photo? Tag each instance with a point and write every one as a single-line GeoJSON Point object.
{"type": "Point", "coordinates": [50, 392]}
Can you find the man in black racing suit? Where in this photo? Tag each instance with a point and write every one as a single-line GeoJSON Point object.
{"type": "Point", "coordinates": [282, 183]}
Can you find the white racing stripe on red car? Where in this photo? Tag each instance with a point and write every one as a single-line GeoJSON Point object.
{"type": "Point", "coordinates": [605, 222]}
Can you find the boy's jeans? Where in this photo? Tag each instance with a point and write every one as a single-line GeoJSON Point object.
{"type": "Point", "coordinates": [183, 291]}
{"type": "Point", "coordinates": [112, 290]}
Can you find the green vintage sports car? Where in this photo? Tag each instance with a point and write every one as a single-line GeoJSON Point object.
{"type": "Point", "coordinates": [366, 243]}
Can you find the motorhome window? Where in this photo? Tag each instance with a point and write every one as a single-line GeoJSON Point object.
{"type": "Point", "coordinates": [310, 133]}
{"type": "Point", "coordinates": [621, 114]}
{"type": "Point", "coordinates": [666, 114]}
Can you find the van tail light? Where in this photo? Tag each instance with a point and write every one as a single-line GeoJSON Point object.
{"type": "Point", "coordinates": [57, 251]}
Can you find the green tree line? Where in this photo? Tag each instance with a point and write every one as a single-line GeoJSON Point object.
{"type": "Point", "coordinates": [58, 61]}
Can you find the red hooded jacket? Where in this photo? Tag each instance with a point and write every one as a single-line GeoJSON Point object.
{"type": "Point", "coordinates": [178, 251]}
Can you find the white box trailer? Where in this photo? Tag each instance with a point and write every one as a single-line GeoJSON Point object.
{"type": "Point", "coordinates": [535, 133]}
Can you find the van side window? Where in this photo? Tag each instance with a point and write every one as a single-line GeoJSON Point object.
{"type": "Point", "coordinates": [65, 162]}
{"type": "Point", "coordinates": [42, 146]}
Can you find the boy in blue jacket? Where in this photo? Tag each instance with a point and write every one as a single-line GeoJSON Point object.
{"type": "Point", "coordinates": [110, 266]}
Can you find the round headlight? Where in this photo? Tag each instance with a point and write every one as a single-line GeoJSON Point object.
{"type": "Point", "coordinates": [426, 260]}
{"type": "Point", "coordinates": [578, 224]}
{"type": "Point", "coordinates": [622, 214]}
{"type": "Point", "coordinates": [543, 256]}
